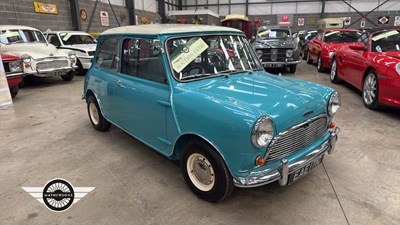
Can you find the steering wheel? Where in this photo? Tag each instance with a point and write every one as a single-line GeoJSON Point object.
{"type": "Point", "coordinates": [193, 70]}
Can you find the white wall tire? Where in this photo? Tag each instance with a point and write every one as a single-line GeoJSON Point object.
{"type": "Point", "coordinates": [96, 117]}
{"type": "Point", "coordinates": [205, 171]}
{"type": "Point", "coordinates": [200, 172]}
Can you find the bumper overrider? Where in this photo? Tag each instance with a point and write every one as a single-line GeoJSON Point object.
{"type": "Point", "coordinates": [285, 168]}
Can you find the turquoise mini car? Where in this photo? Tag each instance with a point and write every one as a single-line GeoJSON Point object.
{"type": "Point", "coordinates": [200, 95]}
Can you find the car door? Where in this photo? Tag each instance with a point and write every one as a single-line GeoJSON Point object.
{"type": "Point", "coordinates": [355, 61]}
{"type": "Point", "coordinates": [315, 46]}
{"type": "Point", "coordinates": [141, 98]}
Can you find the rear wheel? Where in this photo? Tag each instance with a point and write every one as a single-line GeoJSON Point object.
{"type": "Point", "coordinates": [205, 172]}
{"type": "Point", "coordinates": [320, 68]}
{"type": "Point", "coordinates": [371, 90]}
{"type": "Point", "coordinates": [69, 76]}
{"type": "Point", "coordinates": [96, 117]}
{"type": "Point", "coordinates": [333, 75]}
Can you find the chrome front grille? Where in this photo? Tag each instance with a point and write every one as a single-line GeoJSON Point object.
{"type": "Point", "coordinates": [54, 64]}
{"type": "Point", "coordinates": [297, 137]}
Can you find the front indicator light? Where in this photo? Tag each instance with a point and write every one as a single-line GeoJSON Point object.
{"type": "Point", "coordinates": [260, 161]}
{"type": "Point", "coordinates": [331, 125]}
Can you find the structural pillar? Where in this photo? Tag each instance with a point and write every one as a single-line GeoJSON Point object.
{"type": "Point", "coordinates": [130, 5]}
{"type": "Point", "coordinates": [75, 15]}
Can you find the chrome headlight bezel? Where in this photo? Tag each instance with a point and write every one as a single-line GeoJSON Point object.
{"type": "Point", "coordinates": [26, 58]}
{"type": "Point", "coordinates": [398, 68]}
{"type": "Point", "coordinates": [263, 132]}
{"type": "Point", "coordinates": [289, 53]}
{"type": "Point", "coordinates": [71, 54]}
{"type": "Point", "coordinates": [15, 66]}
{"type": "Point", "coordinates": [334, 103]}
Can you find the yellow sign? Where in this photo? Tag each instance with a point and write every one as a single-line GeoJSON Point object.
{"type": "Point", "coordinates": [188, 53]}
{"type": "Point", "coordinates": [41, 7]}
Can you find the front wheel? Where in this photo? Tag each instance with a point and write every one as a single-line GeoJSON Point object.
{"type": "Point", "coordinates": [293, 68]}
{"type": "Point", "coordinates": [371, 90]}
{"type": "Point", "coordinates": [333, 75]}
{"type": "Point", "coordinates": [309, 61]}
{"type": "Point", "coordinates": [96, 117]}
{"type": "Point", "coordinates": [14, 91]}
{"type": "Point", "coordinates": [69, 76]}
{"type": "Point", "coordinates": [205, 172]}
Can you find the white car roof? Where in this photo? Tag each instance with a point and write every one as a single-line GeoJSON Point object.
{"type": "Point", "coordinates": [166, 29]}
{"type": "Point", "coordinates": [69, 32]}
{"type": "Point", "coordinates": [16, 27]}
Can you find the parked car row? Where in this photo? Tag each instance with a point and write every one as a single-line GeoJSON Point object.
{"type": "Point", "coordinates": [368, 60]}
{"type": "Point", "coordinates": [27, 52]}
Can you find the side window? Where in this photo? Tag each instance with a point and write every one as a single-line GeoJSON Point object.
{"type": "Point", "coordinates": [53, 39]}
{"type": "Point", "coordinates": [363, 39]}
{"type": "Point", "coordinates": [108, 54]}
{"type": "Point", "coordinates": [142, 60]}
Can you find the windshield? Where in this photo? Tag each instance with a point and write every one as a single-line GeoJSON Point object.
{"type": "Point", "coordinates": [386, 41]}
{"type": "Point", "coordinates": [20, 36]}
{"type": "Point", "coordinates": [202, 57]}
{"type": "Point", "coordinates": [342, 36]}
{"type": "Point", "coordinates": [273, 33]}
{"type": "Point", "coordinates": [77, 39]}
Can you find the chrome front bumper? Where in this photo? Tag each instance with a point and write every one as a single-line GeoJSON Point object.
{"type": "Point", "coordinates": [279, 64]}
{"type": "Point", "coordinates": [52, 72]}
{"type": "Point", "coordinates": [86, 61]}
{"type": "Point", "coordinates": [285, 168]}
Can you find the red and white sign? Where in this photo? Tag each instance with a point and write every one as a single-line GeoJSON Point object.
{"type": "Point", "coordinates": [300, 22]}
{"type": "Point", "coordinates": [105, 22]}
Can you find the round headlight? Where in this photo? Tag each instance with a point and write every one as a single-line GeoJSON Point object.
{"type": "Point", "coordinates": [71, 54]}
{"type": "Point", "coordinates": [15, 66]}
{"type": "Point", "coordinates": [398, 68]}
{"type": "Point", "coordinates": [26, 58]}
{"type": "Point", "coordinates": [334, 104]}
{"type": "Point", "coordinates": [263, 132]}
{"type": "Point", "coordinates": [259, 53]}
{"type": "Point", "coordinates": [289, 53]}
{"type": "Point", "coordinates": [331, 54]}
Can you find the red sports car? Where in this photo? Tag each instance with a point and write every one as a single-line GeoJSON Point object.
{"type": "Point", "coordinates": [13, 68]}
{"type": "Point", "coordinates": [322, 47]}
{"type": "Point", "coordinates": [373, 66]}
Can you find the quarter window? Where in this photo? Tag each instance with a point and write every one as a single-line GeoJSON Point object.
{"type": "Point", "coordinates": [142, 60]}
{"type": "Point", "coordinates": [108, 54]}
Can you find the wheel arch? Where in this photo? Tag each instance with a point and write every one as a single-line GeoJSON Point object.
{"type": "Point", "coordinates": [366, 71]}
{"type": "Point", "coordinates": [182, 140]}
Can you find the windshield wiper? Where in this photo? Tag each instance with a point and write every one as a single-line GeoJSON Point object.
{"type": "Point", "coordinates": [195, 76]}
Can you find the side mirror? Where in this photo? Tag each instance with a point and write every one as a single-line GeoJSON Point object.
{"type": "Point", "coordinates": [357, 46]}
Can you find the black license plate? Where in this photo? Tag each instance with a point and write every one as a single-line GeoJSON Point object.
{"type": "Point", "coordinates": [305, 169]}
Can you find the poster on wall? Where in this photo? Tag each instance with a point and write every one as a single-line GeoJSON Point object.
{"type": "Point", "coordinates": [300, 22]}
{"type": "Point", "coordinates": [41, 7]}
{"type": "Point", "coordinates": [397, 21]}
{"type": "Point", "coordinates": [104, 20]}
{"type": "Point", "coordinates": [362, 23]}
{"type": "Point", "coordinates": [5, 96]}
{"type": "Point", "coordinates": [346, 21]}
{"type": "Point", "coordinates": [312, 21]}
{"type": "Point", "coordinates": [285, 20]}
{"type": "Point", "coordinates": [383, 20]}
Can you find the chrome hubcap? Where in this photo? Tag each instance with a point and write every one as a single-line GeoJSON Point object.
{"type": "Point", "coordinates": [94, 114]}
{"type": "Point", "coordinates": [369, 92]}
{"type": "Point", "coordinates": [200, 172]}
{"type": "Point", "coordinates": [333, 70]}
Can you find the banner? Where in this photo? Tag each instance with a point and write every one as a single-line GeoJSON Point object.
{"type": "Point", "coordinates": [41, 7]}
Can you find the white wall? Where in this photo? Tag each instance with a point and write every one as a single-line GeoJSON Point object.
{"type": "Point", "coordinates": [147, 5]}
{"type": "Point", "coordinates": [296, 8]}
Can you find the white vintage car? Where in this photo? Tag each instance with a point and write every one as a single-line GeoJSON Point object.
{"type": "Point", "coordinates": [83, 44]}
{"type": "Point", "coordinates": [39, 58]}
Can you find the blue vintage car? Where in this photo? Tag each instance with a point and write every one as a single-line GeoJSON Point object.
{"type": "Point", "coordinates": [199, 94]}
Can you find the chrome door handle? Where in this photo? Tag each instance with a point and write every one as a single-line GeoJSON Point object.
{"type": "Point", "coordinates": [118, 82]}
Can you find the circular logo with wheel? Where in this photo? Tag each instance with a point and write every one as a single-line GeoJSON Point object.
{"type": "Point", "coordinates": [58, 195]}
